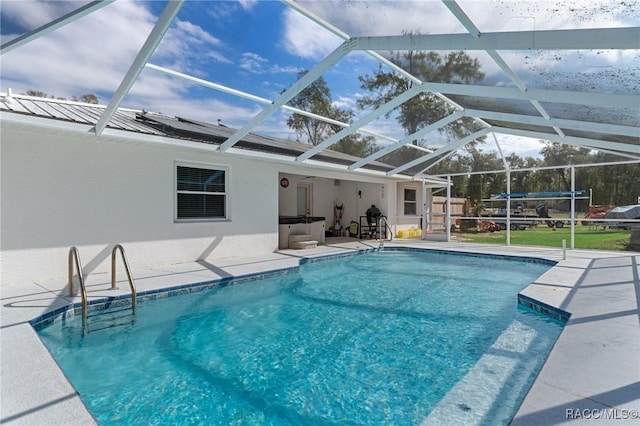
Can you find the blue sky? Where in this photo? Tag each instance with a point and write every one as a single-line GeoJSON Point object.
{"type": "Point", "coordinates": [259, 46]}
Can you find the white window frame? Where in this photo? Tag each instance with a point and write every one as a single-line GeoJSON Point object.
{"type": "Point", "coordinates": [405, 201]}
{"type": "Point", "coordinates": [227, 211]}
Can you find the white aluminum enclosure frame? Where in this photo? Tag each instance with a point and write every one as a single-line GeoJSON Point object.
{"type": "Point", "coordinates": [507, 171]}
{"type": "Point", "coordinates": [590, 38]}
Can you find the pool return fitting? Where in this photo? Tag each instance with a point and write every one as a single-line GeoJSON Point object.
{"type": "Point", "coordinates": [104, 322]}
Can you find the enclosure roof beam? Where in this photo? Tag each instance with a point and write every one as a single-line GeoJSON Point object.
{"type": "Point", "coordinates": [208, 84]}
{"type": "Point", "coordinates": [462, 17]}
{"type": "Point", "coordinates": [571, 140]}
{"type": "Point", "coordinates": [452, 146]}
{"type": "Point", "coordinates": [331, 28]}
{"type": "Point", "coordinates": [504, 160]}
{"type": "Point", "coordinates": [335, 56]}
{"type": "Point", "coordinates": [444, 157]}
{"type": "Point", "coordinates": [603, 128]}
{"type": "Point", "coordinates": [475, 33]}
{"type": "Point", "coordinates": [408, 139]}
{"type": "Point", "coordinates": [258, 99]}
{"type": "Point", "coordinates": [613, 100]}
{"type": "Point", "coordinates": [618, 153]}
{"type": "Point", "coordinates": [372, 115]}
{"type": "Point", "coordinates": [383, 60]}
{"type": "Point", "coordinates": [157, 33]}
{"type": "Point", "coordinates": [572, 39]}
{"type": "Point", "coordinates": [535, 169]}
{"type": "Point", "coordinates": [502, 64]}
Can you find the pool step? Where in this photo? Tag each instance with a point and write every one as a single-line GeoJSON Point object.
{"type": "Point", "coordinates": [301, 241]}
{"type": "Point", "coordinates": [109, 319]}
{"type": "Point", "coordinates": [493, 383]}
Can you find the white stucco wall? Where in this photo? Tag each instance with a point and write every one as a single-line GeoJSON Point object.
{"type": "Point", "coordinates": [61, 189]}
{"type": "Point", "coordinates": [62, 186]}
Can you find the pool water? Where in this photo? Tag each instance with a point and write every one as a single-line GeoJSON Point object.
{"type": "Point", "coordinates": [392, 337]}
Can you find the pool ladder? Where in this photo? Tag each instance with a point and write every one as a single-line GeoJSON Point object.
{"type": "Point", "coordinates": [107, 319]}
{"type": "Point", "coordinates": [383, 225]}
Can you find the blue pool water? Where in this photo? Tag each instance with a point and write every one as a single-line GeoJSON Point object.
{"type": "Point", "coordinates": [393, 337]}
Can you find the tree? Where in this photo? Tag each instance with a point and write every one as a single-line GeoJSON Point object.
{"type": "Point", "coordinates": [613, 184]}
{"type": "Point", "coordinates": [453, 164]}
{"type": "Point", "coordinates": [316, 98]}
{"type": "Point", "coordinates": [36, 93]}
{"type": "Point", "coordinates": [523, 181]}
{"type": "Point", "coordinates": [354, 143]}
{"type": "Point", "coordinates": [480, 186]}
{"type": "Point", "coordinates": [557, 154]}
{"type": "Point", "coordinates": [89, 98]}
{"type": "Point", "coordinates": [424, 108]}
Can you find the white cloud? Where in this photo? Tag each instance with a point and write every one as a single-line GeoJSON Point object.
{"type": "Point", "coordinates": [345, 102]}
{"type": "Point", "coordinates": [248, 4]}
{"type": "Point", "coordinates": [218, 57]}
{"type": "Point", "coordinates": [278, 69]}
{"type": "Point", "coordinates": [191, 34]}
{"type": "Point", "coordinates": [523, 147]}
{"type": "Point", "coordinates": [188, 47]}
{"type": "Point", "coordinates": [256, 64]}
{"type": "Point", "coordinates": [306, 39]}
{"type": "Point", "coordinates": [222, 11]}
{"type": "Point", "coordinates": [276, 126]}
{"type": "Point", "coordinates": [253, 63]}
{"type": "Point", "coordinates": [89, 55]}
{"type": "Point", "coordinates": [31, 14]}
{"type": "Point", "coordinates": [370, 18]}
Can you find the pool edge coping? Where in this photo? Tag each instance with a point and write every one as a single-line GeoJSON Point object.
{"type": "Point", "coordinates": [74, 308]}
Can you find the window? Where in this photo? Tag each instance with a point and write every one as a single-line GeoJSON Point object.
{"type": "Point", "coordinates": [201, 193]}
{"type": "Point", "coordinates": [410, 202]}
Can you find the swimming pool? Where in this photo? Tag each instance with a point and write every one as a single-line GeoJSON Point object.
{"type": "Point", "coordinates": [392, 337]}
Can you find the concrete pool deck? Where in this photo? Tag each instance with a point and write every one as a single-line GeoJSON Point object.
{"type": "Point", "coordinates": [591, 377]}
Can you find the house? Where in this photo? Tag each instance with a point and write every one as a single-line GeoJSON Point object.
{"type": "Point", "coordinates": [159, 186]}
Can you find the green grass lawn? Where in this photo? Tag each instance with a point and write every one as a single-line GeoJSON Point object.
{"type": "Point", "coordinates": [585, 238]}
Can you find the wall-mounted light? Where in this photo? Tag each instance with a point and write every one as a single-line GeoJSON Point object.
{"type": "Point", "coordinates": [359, 194]}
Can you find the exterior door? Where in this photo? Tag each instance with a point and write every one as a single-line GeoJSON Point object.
{"type": "Point", "coordinates": [304, 200]}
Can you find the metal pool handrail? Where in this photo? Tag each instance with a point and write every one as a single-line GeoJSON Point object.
{"type": "Point", "coordinates": [74, 259]}
{"type": "Point", "coordinates": [383, 225]}
{"type": "Point", "coordinates": [132, 286]}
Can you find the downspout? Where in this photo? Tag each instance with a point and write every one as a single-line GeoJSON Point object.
{"type": "Point", "coordinates": [508, 207]}
{"type": "Point", "coordinates": [447, 220]}
{"type": "Point", "coordinates": [425, 211]}
{"type": "Point", "coordinates": [573, 207]}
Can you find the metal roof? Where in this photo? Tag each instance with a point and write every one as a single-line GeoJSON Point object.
{"type": "Point", "coordinates": [174, 127]}
{"type": "Point", "coordinates": [75, 112]}
{"type": "Point", "coordinates": [590, 106]}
